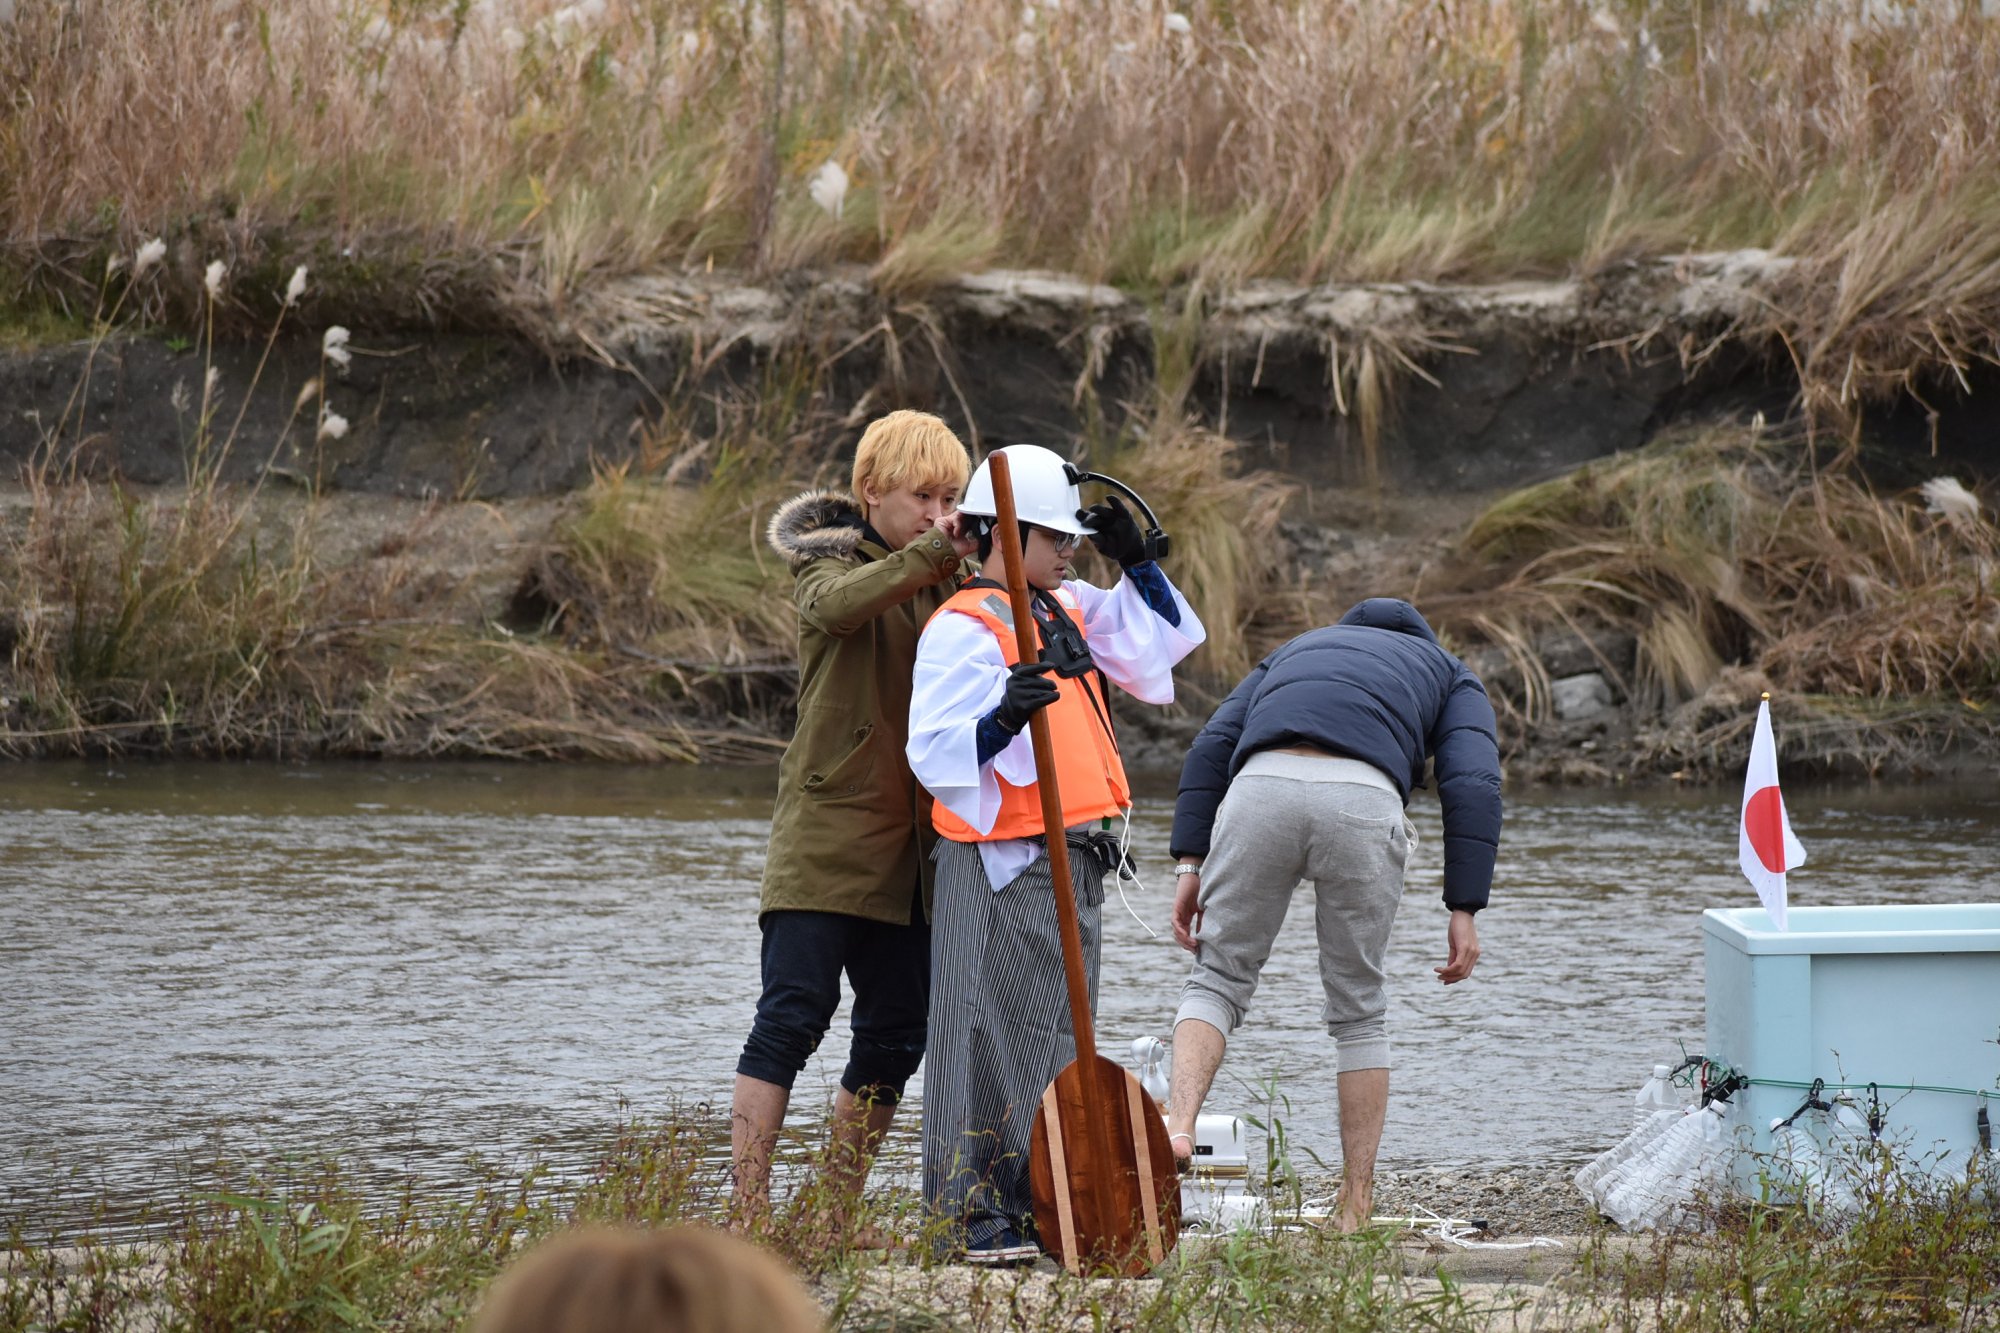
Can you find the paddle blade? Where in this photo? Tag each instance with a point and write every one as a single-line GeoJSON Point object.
{"type": "Point", "coordinates": [1107, 1199]}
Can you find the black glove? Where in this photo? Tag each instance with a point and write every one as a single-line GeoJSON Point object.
{"type": "Point", "coordinates": [1029, 690]}
{"type": "Point", "coordinates": [1114, 532]}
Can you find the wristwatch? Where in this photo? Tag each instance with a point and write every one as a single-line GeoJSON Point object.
{"type": "Point", "coordinates": [1185, 869]}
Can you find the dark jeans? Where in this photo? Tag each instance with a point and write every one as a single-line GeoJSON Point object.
{"type": "Point", "coordinates": [888, 966]}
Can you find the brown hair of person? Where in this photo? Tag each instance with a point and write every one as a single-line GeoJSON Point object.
{"type": "Point", "coordinates": [679, 1280]}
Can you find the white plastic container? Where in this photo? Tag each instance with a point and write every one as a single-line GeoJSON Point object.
{"type": "Point", "coordinates": [1220, 1146]}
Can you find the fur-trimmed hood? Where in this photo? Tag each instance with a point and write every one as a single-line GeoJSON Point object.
{"type": "Point", "coordinates": [851, 832]}
{"type": "Point", "coordinates": [816, 524]}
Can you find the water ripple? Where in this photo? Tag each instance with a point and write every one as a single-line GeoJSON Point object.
{"type": "Point", "coordinates": [411, 966]}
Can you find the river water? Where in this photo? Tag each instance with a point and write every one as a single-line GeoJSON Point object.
{"type": "Point", "coordinates": [410, 967]}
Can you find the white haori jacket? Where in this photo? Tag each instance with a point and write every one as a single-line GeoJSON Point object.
{"type": "Point", "coordinates": [960, 676]}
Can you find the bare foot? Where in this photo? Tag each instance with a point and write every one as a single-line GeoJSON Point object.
{"type": "Point", "coordinates": [749, 1215]}
{"type": "Point", "coordinates": [836, 1227]}
{"type": "Point", "coordinates": [1350, 1217]}
{"type": "Point", "coordinates": [868, 1236]}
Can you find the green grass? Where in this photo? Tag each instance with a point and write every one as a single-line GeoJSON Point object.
{"type": "Point", "coordinates": [26, 324]}
{"type": "Point", "coordinates": [307, 1247]}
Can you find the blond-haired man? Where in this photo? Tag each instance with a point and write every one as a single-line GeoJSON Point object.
{"type": "Point", "coordinates": [847, 874]}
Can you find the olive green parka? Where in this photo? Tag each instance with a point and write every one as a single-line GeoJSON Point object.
{"type": "Point", "coordinates": [852, 829]}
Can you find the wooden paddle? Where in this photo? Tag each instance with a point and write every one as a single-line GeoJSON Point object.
{"type": "Point", "coordinates": [1107, 1198]}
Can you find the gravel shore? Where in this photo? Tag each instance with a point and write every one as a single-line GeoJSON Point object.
{"type": "Point", "coordinates": [1514, 1202]}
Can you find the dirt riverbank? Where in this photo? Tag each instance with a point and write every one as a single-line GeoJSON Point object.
{"type": "Point", "coordinates": [1384, 389]}
{"type": "Point", "coordinates": [1593, 487]}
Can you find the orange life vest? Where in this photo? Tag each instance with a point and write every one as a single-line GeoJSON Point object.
{"type": "Point", "coordinates": [1088, 770]}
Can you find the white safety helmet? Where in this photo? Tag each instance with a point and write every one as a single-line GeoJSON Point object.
{"type": "Point", "coordinates": [1043, 493]}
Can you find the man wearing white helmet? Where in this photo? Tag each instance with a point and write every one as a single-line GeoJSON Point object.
{"type": "Point", "coordinates": [999, 1015]}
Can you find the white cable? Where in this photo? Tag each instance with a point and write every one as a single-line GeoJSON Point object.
{"type": "Point", "coordinates": [1455, 1231]}
{"type": "Point", "coordinates": [1126, 869]}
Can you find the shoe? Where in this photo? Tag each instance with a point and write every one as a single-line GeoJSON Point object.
{"type": "Point", "coordinates": [1005, 1249]}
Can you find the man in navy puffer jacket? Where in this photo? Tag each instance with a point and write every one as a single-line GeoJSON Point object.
{"type": "Point", "coordinates": [1303, 773]}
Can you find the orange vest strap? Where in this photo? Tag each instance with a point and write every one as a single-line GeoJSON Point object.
{"type": "Point", "coordinates": [1088, 770]}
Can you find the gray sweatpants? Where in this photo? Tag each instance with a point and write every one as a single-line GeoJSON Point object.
{"type": "Point", "coordinates": [1288, 818]}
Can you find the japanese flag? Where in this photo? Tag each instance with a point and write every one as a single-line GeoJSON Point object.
{"type": "Point", "coordinates": [1765, 844]}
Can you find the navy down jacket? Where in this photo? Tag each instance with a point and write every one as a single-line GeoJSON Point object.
{"type": "Point", "coordinates": [1376, 687]}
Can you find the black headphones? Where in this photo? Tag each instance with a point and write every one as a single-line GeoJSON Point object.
{"type": "Point", "coordinates": [1158, 543]}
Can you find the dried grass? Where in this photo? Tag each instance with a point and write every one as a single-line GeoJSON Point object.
{"type": "Point", "coordinates": [676, 570]}
{"type": "Point", "coordinates": [1733, 546]}
{"type": "Point", "coordinates": [500, 162]}
{"type": "Point", "coordinates": [212, 620]}
{"type": "Point", "coordinates": [169, 619]}
{"type": "Point", "coordinates": [1223, 525]}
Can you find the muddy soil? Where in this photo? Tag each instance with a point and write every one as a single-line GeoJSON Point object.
{"type": "Point", "coordinates": [1407, 390]}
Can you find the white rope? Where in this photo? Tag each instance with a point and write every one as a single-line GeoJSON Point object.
{"type": "Point", "coordinates": [1127, 869]}
{"type": "Point", "coordinates": [1457, 1231]}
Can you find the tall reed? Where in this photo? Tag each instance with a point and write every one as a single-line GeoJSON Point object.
{"type": "Point", "coordinates": [500, 162]}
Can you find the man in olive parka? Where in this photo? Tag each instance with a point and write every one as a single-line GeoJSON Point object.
{"type": "Point", "coordinates": [847, 874]}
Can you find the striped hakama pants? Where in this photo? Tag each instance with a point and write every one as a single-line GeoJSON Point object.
{"type": "Point", "coordinates": [999, 1031]}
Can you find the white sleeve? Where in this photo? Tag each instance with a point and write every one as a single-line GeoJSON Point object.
{"type": "Point", "coordinates": [1136, 647]}
{"type": "Point", "coordinates": [959, 677]}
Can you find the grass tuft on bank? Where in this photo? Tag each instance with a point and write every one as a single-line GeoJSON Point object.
{"type": "Point", "coordinates": [1740, 559]}
{"type": "Point", "coordinates": [1923, 1252]}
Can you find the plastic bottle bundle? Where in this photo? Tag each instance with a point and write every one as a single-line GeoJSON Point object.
{"type": "Point", "coordinates": [1796, 1162]}
{"type": "Point", "coordinates": [1664, 1180]}
{"type": "Point", "coordinates": [1595, 1177]}
{"type": "Point", "coordinates": [1849, 1158]}
{"type": "Point", "coordinates": [1642, 1160]}
{"type": "Point", "coordinates": [1655, 1108]}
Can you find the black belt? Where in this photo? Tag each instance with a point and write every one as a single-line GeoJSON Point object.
{"type": "Point", "coordinates": [1100, 845]}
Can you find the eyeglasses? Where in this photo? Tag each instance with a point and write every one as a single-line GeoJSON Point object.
{"type": "Point", "coordinates": [1064, 542]}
